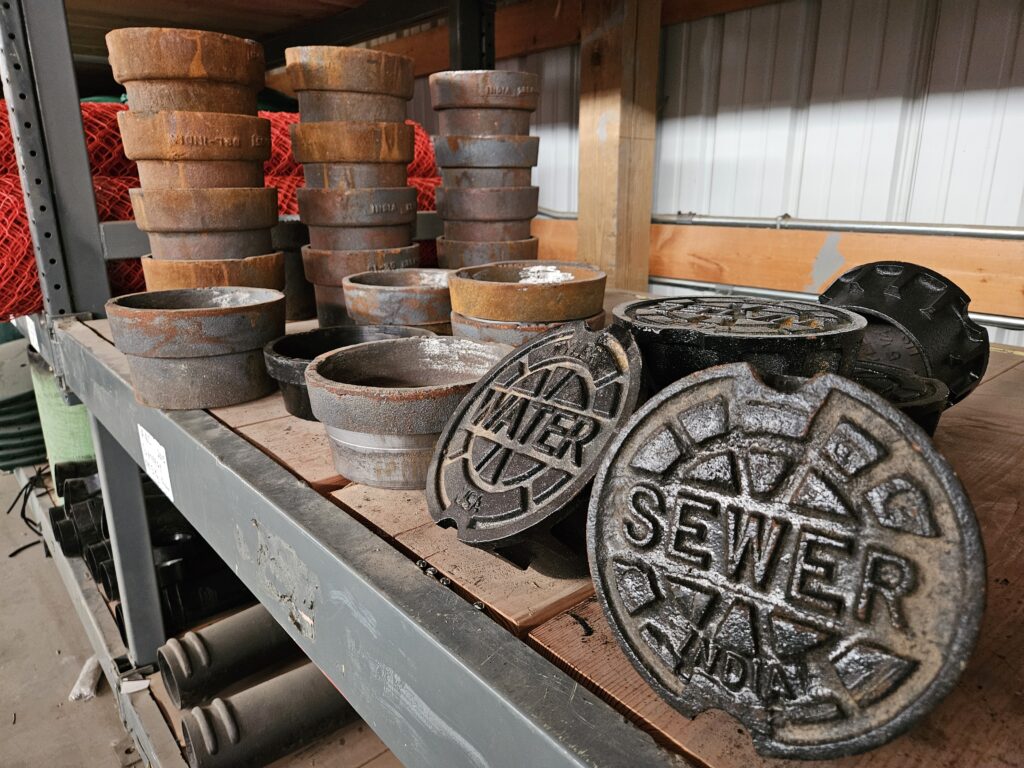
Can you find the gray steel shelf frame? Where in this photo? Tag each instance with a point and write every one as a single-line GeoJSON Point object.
{"type": "Point", "coordinates": [439, 681]}
{"type": "Point", "coordinates": [140, 714]}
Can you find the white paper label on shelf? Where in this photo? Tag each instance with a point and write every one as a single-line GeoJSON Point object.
{"type": "Point", "coordinates": [154, 461]}
{"type": "Point", "coordinates": [33, 337]}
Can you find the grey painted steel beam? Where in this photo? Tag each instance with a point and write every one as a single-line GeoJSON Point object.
{"type": "Point", "coordinates": [60, 118]}
{"type": "Point", "coordinates": [440, 682]}
{"type": "Point", "coordinates": [128, 527]}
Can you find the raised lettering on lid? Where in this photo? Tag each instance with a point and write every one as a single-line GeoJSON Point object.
{"type": "Point", "coordinates": [528, 438]}
{"type": "Point", "coordinates": [803, 560]}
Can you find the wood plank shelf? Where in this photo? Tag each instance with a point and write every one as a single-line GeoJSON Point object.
{"type": "Point", "coordinates": [544, 595]}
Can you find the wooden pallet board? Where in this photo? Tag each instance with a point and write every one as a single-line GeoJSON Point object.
{"type": "Point", "coordinates": [981, 722]}
{"type": "Point", "coordinates": [519, 588]}
{"type": "Point", "coordinates": [300, 446]}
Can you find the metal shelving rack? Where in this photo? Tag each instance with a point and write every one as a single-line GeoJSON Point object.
{"type": "Point", "coordinates": [439, 681]}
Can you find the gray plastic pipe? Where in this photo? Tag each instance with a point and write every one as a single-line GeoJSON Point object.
{"type": "Point", "coordinates": [265, 722]}
{"type": "Point", "coordinates": [200, 664]}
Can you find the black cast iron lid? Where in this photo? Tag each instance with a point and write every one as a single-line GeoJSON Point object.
{"type": "Point", "coordinates": [804, 560]}
{"type": "Point", "coordinates": [528, 438]}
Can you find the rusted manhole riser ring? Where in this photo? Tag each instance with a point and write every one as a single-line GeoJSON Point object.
{"type": "Point", "coordinates": [332, 267]}
{"type": "Point", "coordinates": [484, 89]}
{"type": "Point", "coordinates": [197, 348]}
{"type": "Point", "coordinates": [486, 151]}
{"type": "Point", "coordinates": [383, 436]}
{"type": "Point", "coordinates": [354, 175]}
{"type": "Point", "coordinates": [359, 238]}
{"type": "Point", "coordinates": [340, 106]}
{"type": "Point", "coordinates": [288, 356]}
{"type": "Point", "coordinates": [204, 210]}
{"type": "Point", "coordinates": [200, 174]}
{"type": "Point", "coordinates": [349, 142]}
{"type": "Point", "coordinates": [193, 136]}
{"type": "Point", "coordinates": [493, 204]}
{"type": "Point", "coordinates": [265, 271]}
{"type": "Point", "coordinates": [513, 334]}
{"type": "Point", "coordinates": [487, 231]}
{"type": "Point", "coordinates": [486, 177]}
{"type": "Point", "coordinates": [361, 70]}
{"type": "Point", "coordinates": [413, 297]}
{"type": "Point", "coordinates": [377, 207]}
{"type": "Point", "coordinates": [455, 254]}
{"type": "Point", "coordinates": [483, 122]}
{"type": "Point", "coordinates": [528, 291]}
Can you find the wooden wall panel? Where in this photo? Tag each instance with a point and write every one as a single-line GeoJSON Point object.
{"type": "Point", "coordinates": [990, 271]}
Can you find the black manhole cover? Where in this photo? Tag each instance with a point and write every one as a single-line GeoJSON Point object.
{"type": "Point", "coordinates": [529, 437]}
{"type": "Point", "coordinates": [931, 333]}
{"type": "Point", "coordinates": [681, 335]}
{"type": "Point", "coordinates": [920, 398]}
{"type": "Point", "coordinates": [805, 560]}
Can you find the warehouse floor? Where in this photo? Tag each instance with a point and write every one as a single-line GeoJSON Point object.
{"type": "Point", "coordinates": [42, 649]}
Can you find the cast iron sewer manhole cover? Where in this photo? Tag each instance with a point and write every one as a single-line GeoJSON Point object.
{"type": "Point", "coordinates": [528, 439]}
{"type": "Point", "coordinates": [803, 560]}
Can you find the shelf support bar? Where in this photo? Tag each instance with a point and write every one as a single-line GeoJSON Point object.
{"type": "Point", "coordinates": [471, 34]}
{"type": "Point", "coordinates": [125, 508]}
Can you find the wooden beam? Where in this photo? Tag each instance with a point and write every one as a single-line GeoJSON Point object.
{"type": "Point", "coordinates": [528, 27]}
{"type": "Point", "coordinates": [618, 77]}
{"type": "Point", "coordinates": [988, 270]}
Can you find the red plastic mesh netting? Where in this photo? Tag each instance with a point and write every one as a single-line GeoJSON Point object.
{"type": "Point", "coordinates": [114, 175]}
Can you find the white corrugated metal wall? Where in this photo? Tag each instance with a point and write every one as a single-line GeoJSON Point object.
{"type": "Point", "coordinates": [890, 110]}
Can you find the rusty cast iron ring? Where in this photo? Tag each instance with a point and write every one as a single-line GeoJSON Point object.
{"type": "Point", "coordinates": [398, 297]}
{"type": "Point", "coordinates": [379, 207]}
{"type": "Point", "coordinates": [484, 88]}
{"type": "Point", "coordinates": [384, 403]}
{"type": "Point", "coordinates": [483, 122]}
{"type": "Point", "coordinates": [164, 53]}
{"type": "Point", "coordinates": [204, 210]}
{"type": "Point", "coordinates": [511, 333]}
{"type": "Point", "coordinates": [264, 271]}
{"type": "Point", "coordinates": [488, 204]}
{"type": "Point", "coordinates": [528, 291]}
{"type": "Point", "coordinates": [332, 267]}
{"type": "Point", "coordinates": [487, 231]}
{"type": "Point", "coordinates": [337, 106]}
{"type": "Point", "coordinates": [455, 254]}
{"type": "Point", "coordinates": [359, 238]}
{"type": "Point", "coordinates": [354, 175]}
{"type": "Point", "coordinates": [486, 151]}
{"type": "Point", "coordinates": [193, 136]}
{"type": "Point", "coordinates": [199, 174]}
{"type": "Point", "coordinates": [335, 68]}
{"type": "Point", "coordinates": [486, 177]}
{"type": "Point", "coordinates": [349, 142]}
{"type": "Point", "coordinates": [288, 356]}
{"type": "Point", "coordinates": [197, 348]}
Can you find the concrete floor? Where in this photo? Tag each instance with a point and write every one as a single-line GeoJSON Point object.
{"type": "Point", "coordinates": [42, 649]}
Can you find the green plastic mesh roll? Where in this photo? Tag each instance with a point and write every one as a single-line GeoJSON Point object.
{"type": "Point", "coordinates": [65, 427]}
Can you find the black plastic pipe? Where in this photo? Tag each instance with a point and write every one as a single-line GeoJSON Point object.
{"type": "Point", "coordinates": [265, 722]}
{"type": "Point", "coordinates": [199, 665]}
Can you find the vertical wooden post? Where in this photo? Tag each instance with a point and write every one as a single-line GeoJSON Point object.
{"type": "Point", "coordinates": [618, 91]}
